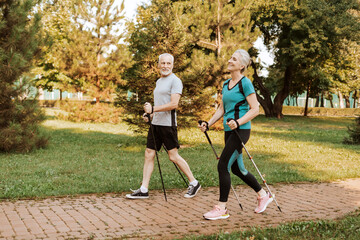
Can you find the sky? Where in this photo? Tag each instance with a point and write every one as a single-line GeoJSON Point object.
{"type": "Point", "coordinates": [130, 7]}
{"type": "Point", "coordinates": [265, 57]}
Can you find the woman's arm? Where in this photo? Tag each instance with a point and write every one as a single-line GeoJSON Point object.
{"type": "Point", "coordinates": [217, 115]}
{"type": "Point", "coordinates": [253, 112]}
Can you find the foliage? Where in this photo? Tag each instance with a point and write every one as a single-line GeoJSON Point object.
{"type": "Point", "coordinates": [303, 35]}
{"type": "Point", "coordinates": [85, 53]}
{"type": "Point", "coordinates": [19, 40]}
{"type": "Point", "coordinates": [90, 112]}
{"type": "Point", "coordinates": [344, 72]}
{"type": "Point", "coordinates": [154, 33]}
{"type": "Point", "coordinates": [200, 43]}
{"type": "Point", "coordinates": [354, 133]}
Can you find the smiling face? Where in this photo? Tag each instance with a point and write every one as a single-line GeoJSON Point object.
{"type": "Point", "coordinates": [235, 63]}
{"type": "Point", "coordinates": [166, 65]}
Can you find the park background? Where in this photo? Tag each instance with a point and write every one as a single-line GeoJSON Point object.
{"type": "Point", "coordinates": [308, 130]}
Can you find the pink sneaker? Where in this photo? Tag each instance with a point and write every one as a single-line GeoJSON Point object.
{"type": "Point", "coordinates": [263, 202]}
{"type": "Point", "coordinates": [216, 213]}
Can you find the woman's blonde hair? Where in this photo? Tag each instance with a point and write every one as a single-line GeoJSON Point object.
{"type": "Point", "coordinates": [245, 58]}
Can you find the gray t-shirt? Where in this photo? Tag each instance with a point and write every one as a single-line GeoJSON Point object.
{"type": "Point", "coordinates": [166, 86]}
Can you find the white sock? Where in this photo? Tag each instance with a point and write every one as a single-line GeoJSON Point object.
{"type": "Point", "coordinates": [144, 189]}
{"type": "Point", "coordinates": [194, 183]}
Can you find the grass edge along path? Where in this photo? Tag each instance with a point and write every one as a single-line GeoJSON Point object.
{"type": "Point", "coordinates": [346, 227]}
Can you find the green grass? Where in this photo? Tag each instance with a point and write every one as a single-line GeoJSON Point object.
{"type": "Point", "coordinates": [99, 158]}
{"type": "Point", "coordinates": [347, 228]}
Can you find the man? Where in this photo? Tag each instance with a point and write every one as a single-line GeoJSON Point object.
{"type": "Point", "coordinates": [167, 94]}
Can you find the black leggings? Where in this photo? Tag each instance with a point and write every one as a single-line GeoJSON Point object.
{"type": "Point", "coordinates": [231, 156]}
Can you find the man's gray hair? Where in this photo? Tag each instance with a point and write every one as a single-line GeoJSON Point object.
{"type": "Point", "coordinates": [245, 58]}
{"type": "Point", "coordinates": [167, 54]}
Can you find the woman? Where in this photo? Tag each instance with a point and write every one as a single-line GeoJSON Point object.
{"type": "Point", "coordinates": [239, 103]}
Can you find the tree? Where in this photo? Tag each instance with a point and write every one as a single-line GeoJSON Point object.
{"type": "Point", "coordinates": [216, 28]}
{"type": "Point", "coordinates": [19, 40]}
{"type": "Point", "coordinates": [345, 72]}
{"type": "Point", "coordinates": [303, 34]}
{"type": "Point", "coordinates": [87, 46]}
{"type": "Point", "coordinates": [200, 43]}
{"type": "Point", "coordinates": [57, 24]}
{"type": "Point", "coordinates": [153, 33]}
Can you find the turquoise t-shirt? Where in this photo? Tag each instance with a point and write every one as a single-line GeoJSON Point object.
{"type": "Point", "coordinates": [234, 101]}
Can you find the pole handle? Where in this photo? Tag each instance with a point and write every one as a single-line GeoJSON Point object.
{"type": "Point", "coordinates": [207, 124]}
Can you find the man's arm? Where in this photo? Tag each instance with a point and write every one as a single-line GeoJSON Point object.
{"type": "Point", "coordinates": [173, 104]}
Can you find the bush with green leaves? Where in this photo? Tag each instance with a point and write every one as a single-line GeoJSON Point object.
{"type": "Point", "coordinates": [354, 133]}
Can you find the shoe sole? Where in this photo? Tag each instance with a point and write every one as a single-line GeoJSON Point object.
{"type": "Point", "coordinates": [217, 218]}
{"type": "Point", "coordinates": [137, 197]}
{"type": "Point", "coordinates": [267, 203]}
{"type": "Point", "coordinates": [188, 196]}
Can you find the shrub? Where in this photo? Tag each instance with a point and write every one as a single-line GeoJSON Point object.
{"type": "Point", "coordinates": [90, 112]}
{"type": "Point", "coordinates": [354, 133]}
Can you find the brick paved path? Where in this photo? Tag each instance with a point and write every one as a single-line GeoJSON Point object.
{"type": "Point", "coordinates": [113, 216]}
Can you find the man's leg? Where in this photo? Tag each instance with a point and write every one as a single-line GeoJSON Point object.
{"type": "Point", "coordinates": [143, 191]}
{"type": "Point", "coordinates": [148, 167]}
{"type": "Point", "coordinates": [194, 186]}
{"type": "Point", "coordinates": [183, 165]}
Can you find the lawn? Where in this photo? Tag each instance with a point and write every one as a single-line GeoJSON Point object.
{"type": "Point", "coordinates": [347, 227]}
{"type": "Point", "coordinates": [100, 158]}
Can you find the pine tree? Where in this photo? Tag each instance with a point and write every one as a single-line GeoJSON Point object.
{"type": "Point", "coordinates": [19, 117]}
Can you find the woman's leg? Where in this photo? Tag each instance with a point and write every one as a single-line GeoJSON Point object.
{"type": "Point", "coordinates": [228, 155]}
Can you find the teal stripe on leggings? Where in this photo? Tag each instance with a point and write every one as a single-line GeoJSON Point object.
{"type": "Point", "coordinates": [240, 162]}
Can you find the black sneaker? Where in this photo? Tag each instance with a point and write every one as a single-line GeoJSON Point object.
{"type": "Point", "coordinates": [192, 190]}
{"type": "Point", "coordinates": [137, 194]}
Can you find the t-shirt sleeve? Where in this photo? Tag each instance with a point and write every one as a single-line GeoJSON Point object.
{"type": "Point", "coordinates": [248, 87]}
{"type": "Point", "coordinates": [177, 86]}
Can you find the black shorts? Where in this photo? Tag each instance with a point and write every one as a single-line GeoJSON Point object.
{"type": "Point", "coordinates": [163, 135]}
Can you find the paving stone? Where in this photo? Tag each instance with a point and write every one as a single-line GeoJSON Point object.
{"type": "Point", "coordinates": [113, 216]}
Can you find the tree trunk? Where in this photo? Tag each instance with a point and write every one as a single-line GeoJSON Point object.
{"type": "Point", "coordinates": [218, 33]}
{"type": "Point", "coordinates": [317, 103]}
{"type": "Point", "coordinates": [331, 103]}
{"type": "Point", "coordinates": [281, 96]}
{"type": "Point", "coordinates": [354, 97]}
{"type": "Point", "coordinates": [341, 102]}
{"type": "Point", "coordinates": [98, 90]}
{"type": "Point", "coordinates": [347, 101]}
{"type": "Point", "coordinates": [307, 98]}
{"type": "Point", "coordinates": [60, 94]}
{"type": "Point", "coordinates": [322, 99]}
{"type": "Point", "coordinates": [264, 100]}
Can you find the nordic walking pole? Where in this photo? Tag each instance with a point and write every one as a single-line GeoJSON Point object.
{"type": "Point", "coordinates": [217, 157]}
{"type": "Point", "coordinates": [252, 160]}
{"type": "Point", "coordinates": [187, 185]}
{"type": "Point", "coordinates": [157, 158]}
